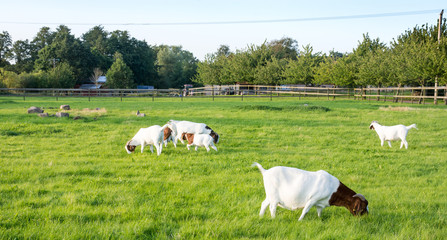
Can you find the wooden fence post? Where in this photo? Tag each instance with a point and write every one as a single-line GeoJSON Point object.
{"type": "Point", "coordinates": [435, 100]}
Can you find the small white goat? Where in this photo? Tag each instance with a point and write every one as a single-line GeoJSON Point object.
{"type": "Point", "coordinates": [293, 188]}
{"type": "Point", "coordinates": [199, 140]}
{"type": "Point", "coordinates": [152, 136]}
{"type": "Point", "coordinates": [390, 133]}
{"type": "Point", "coordinates": [180, 127]}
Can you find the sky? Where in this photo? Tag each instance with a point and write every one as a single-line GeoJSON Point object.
{"type": "Point", "coordinates": [201, 26]}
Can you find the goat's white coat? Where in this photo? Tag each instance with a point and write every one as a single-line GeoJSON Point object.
{"type": "Point", "coordinates": [202, 140]}
{"type": "Point", "coordinates": [188, 127]}
{"type": "Point", "coordinates": [293, 188]}
{"type": "Point", "coordinates": [152, 136]}
{"type": "Point", "coordinates": [391, 133]}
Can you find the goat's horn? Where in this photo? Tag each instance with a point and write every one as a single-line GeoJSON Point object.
{"type": "Point", "coordinates": [360, 196]}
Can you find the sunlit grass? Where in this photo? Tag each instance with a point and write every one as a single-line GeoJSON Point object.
{"type": "Point", "coordinates": [65, 178]}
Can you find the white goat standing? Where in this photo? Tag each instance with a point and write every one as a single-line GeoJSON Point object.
{"type": "Point", "coordinates": [293, 188]}
{"type": "Point", "coordinates": [152, 136]}
{"type": "Point", "coordinates": [390, 133]}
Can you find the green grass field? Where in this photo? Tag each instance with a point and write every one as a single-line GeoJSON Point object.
{"type": "Point", "coordinates": [72, 179]}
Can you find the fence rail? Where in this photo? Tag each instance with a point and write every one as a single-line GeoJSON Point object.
{"type": "Point", "coordinates": [395, 94]}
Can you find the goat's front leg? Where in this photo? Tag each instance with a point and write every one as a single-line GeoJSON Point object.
{"type": "Point", "coordinates": [389, 143]}
{"type": "Point", "coordinates": [188, 145]}
{"type": "Point", "coordinates": [152, 148]}
{"type": "Point", "coordinates": [196, 148]}
{"type": "Point", "coordinates": [381, 142]}
{"type": "Point", "coordinates": [306, 209]}
{"type": "Point", "coordinates": [142, 147]}
{"type": "Point", "coordinates": [319, 210]}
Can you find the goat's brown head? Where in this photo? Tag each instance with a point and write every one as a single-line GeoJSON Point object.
{"type": "Point", "coordinates": [213, 134]}
{"type": "Point", "coordinates": [129, 147]}
{"type": "Point", "coordinates": [360, 205]}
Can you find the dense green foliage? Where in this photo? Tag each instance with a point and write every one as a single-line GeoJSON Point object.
{"type": "Point", "coordinates": [119, 74]}
{"type": "Point", "coordinates": [72, 179]}
{"type": "Point", "coordinates": [414, 58]}
{"type": "Point", "coordinates": [94, 50]}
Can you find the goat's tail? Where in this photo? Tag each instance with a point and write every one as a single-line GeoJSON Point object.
{"type": "Point", "coordinates": [259, 167]}
{"type": "Point", "coordinates": [412, 126]}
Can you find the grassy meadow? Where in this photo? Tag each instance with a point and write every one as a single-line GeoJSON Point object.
{"type": "Point", "coordinates": [72, 179]}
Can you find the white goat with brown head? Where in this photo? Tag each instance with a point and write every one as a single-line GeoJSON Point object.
{"type": "Point", "coordinates": [293, 188]}
{"type": "Point", "coordinates": [152, 136]}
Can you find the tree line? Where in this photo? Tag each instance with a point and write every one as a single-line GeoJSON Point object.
{"type": "Point", "coordinates": [57, 59]}
{"type": "Point", "coordinates": [415, 58]}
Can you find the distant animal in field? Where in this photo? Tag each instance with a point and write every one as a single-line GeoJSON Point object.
{"type": "Point", "coordinates": [390, 133]}
{"type": "Point", "coordinates": [152, 136]}
{"type": "Point", "coordinates": [181, 127]}
{"type": "Point", "coordinates": [293, 188]}
{"type": "Point", "coordinates": [199, 140]}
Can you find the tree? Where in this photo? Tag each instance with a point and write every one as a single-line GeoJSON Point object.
{"type": "Point", "coordinates": [61, 76]}
{"type": "Point", "coordinates": [66, 48]}
{"type": "Point", "coordinates": [285, 48]}
{"type": "Point", "coordinates": [138, 55]}
{"type": "Point", "coordinates": [119, 75]}
{"type": "Point", "coordinates": [176, 67]}
{"type": "Point", "coordinates": [5, 48]}
{"type": "Point", "coordinates": [97, 40]}
{"type": "Point", "coordinates": [270, 73]}
{"type": "Point", "coordinates": [95, 75]}
{"type": "Point", "coordinates": [24, 61]}
{"type": "Point", "coordinates": [303, 69]}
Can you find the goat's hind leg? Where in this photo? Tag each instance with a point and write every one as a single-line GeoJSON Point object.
{"type": "Point", "coordinates": [264, 206]}
{"type": "Point", "coordinates": [404, 143]}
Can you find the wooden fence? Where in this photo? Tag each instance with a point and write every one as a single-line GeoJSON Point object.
{"type": "Point", "coordinates": [394, 94]}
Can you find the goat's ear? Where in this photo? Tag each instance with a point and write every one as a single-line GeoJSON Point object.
{"type": "Point", "coordinates": [371, 127]}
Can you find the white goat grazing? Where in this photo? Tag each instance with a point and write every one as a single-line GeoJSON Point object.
{"type": "Point", "coordinates": [389, 133]}
{"type": "Point", "coordinates": [293, 188]}
{"type": "Point", "coordinates": [180, 127]}
{"type": "Point", "coordinates": [152, 136]}
{"type": "Point", "coordinates": [199, 140]}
